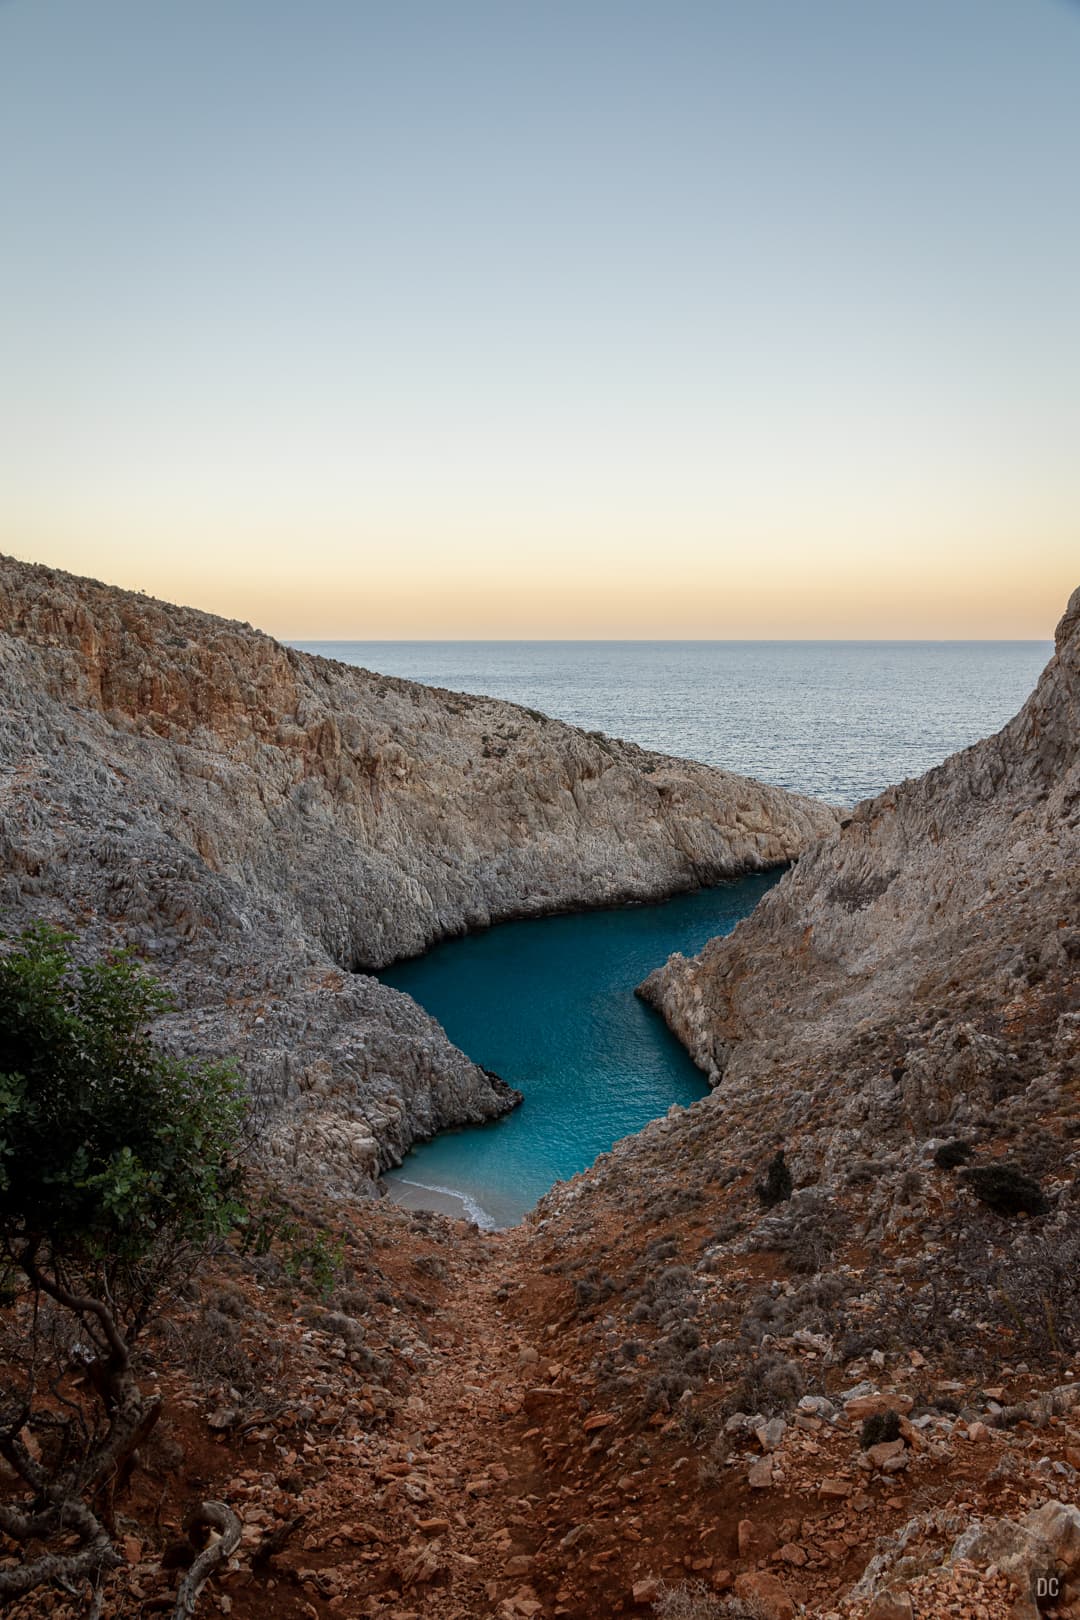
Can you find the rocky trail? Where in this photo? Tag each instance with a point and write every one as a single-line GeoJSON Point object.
{"type": "Point", "coordinates": [433, 1433]}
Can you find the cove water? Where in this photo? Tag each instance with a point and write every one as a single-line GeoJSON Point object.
{"type": "Point", "coordinates": [549, 1004]}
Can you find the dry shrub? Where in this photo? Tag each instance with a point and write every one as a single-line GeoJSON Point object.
{"type": "Point", "coordinates": [692, 1600]}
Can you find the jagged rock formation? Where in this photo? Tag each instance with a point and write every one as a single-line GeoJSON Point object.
{"type": "Point", "coordinates": [259, 823]}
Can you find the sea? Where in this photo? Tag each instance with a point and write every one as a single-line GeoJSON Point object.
{"type": "Point", "coordinates": [549, 1002]}
{"type": "Point", "coordinates": [838, 719]}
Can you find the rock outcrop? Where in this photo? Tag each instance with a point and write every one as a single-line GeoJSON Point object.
{"type": "Point", "coordinates": [261, 824]}
{"type": "Point", "coordinates": [910, 954]}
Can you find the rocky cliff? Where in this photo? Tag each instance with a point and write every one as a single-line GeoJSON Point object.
{"type": "Point", "coordinates": [935, 929]}
{"type": "Point", "coordinates": [261, 824]}
{"type": "Point", "coordinates": [875, 1215]}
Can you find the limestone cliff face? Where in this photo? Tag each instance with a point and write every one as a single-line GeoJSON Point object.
{"type": "Point", "coordinates": [940, 924]}
{"type": "Point", "coordinates": [259, 823]}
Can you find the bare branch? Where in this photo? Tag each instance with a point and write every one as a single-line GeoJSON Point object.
{"type": "Point", "coordinates": [84, 1305]}
{"type": "Point", "coordinates": [14, 1452]}
{"type": "Point", "coordinates": [97, 1553]}
{"type": "Point", "coordinates": [132, 1422]}
{"type": "Point", "coordinates": [274, 1541]}
{"type": "Point", "coordinates": [214, 1516]}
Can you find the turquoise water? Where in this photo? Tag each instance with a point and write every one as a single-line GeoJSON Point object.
{"type": "Point", "coordinates": [549, 1004]}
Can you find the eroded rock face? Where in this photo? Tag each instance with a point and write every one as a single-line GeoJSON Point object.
{"type": "Point", "coordinates": [259, 822]}
{"type": "Point", "coordinates": [906, 958]}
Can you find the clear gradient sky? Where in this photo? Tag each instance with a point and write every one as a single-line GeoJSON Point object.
{"type": "Point", "coordinates": [547, 317]}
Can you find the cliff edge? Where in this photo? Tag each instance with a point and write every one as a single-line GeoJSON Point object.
{"type": "Point", "coordinates": [263, 825]}
{"type": "Point", "coordinates": [953, 898]}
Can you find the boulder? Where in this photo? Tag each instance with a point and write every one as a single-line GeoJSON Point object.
{"type": "Point", "coordinates": [1058, 1525]}
{"type": "Point", "coordinates": [771, 1597]}
{"type": "Point", "coordinates": [1019, 1551]}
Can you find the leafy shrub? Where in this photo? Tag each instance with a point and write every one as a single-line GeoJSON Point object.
{"type": "Point", "coordinates": [1005, 1189]}
{"type": "Point", "coordinates": [770, 1383]}
{"type": "Point", "coordinates": [116, 1161]}
{"type": "Point", "coordinates": [108, 1145]}
{"type": "Point", "coordinates": [593, 1288]}
{"type": "Point", "coordinates": [951, 1154]}
{"type": "Point", "coordinates": [306, 1254]}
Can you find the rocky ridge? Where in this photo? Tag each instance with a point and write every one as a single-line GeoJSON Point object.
{"type": "Point", "coordinates": [260, 824]}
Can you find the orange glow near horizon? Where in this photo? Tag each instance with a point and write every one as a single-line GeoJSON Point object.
{"type": "Point", "coordinates": [751, 593]}
{"type": "Point", "coordinates": [701, 320]}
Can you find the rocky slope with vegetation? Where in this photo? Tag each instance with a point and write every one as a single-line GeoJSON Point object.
{"type": "Point", "coordinates": [809, 1348]}
{"type": "Point", "coordinates": [259, 824]}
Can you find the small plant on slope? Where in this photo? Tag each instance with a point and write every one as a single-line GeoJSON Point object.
{"type": "Point", "coordinates": [775, 1186]}
{"type": "Point", "coordinates": [117, 1161]}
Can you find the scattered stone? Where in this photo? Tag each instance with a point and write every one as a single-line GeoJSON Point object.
{"type": "Point", "coordinates": [860, 1407]}
{"type": "Point", "coordinates": [884, 1452]}
{"type": "Point", "coordinates": [754, 1540]}
{"type": "Point", "coordinates": [771, 1434]}
{"type": "Point", "coordinates": [891, 1605]}
{"type": "Point", "coordinates": [1058, 1525]}
{"type": "Point", "coordinates": [771, 1597]}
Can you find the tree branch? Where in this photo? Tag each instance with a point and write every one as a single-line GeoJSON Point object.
{"type": "Point", "coordinates": [214, 1516]}
{"type": "Point", "coordinates": [82, 1305]}
{"type": "Point", "coordinates": [96, 1554]}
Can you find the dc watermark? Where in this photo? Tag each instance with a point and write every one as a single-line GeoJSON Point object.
{"type": "Point", "coordinates": [1047, 1589]}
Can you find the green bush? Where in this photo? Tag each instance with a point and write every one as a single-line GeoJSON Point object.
{"type": "Point", "coordinates": [117, 1161]}
{"type": "Point", "coordinates": [1005, 1189]}
{"type": "Point", "coordinates": [880, 1426]}
{"type": "Point", "coordinates": [108, 1145]}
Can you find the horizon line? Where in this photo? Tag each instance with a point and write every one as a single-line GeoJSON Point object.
{"type": "Point", "coordinates": [646, 641]}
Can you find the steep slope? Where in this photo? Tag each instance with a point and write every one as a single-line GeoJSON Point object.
{"type": "Point", "coordinates": [954, 898]}
{"type": "Point", "coordinates": [260, 823]}
{"type": "Point", "coordinates": [900, 1017]}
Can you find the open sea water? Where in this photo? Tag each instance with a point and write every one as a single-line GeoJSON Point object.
{"type": "Point", "coordinates": [548, 1003]}
{"type": "Point", "coordinates": [838, 719]}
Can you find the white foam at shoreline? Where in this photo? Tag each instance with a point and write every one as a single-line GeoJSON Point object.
{"type": "Point", "coordinates": [475, 1212]}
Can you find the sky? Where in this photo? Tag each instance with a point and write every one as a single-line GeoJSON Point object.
{"type": "Point", "coordinates": [547, 318]}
